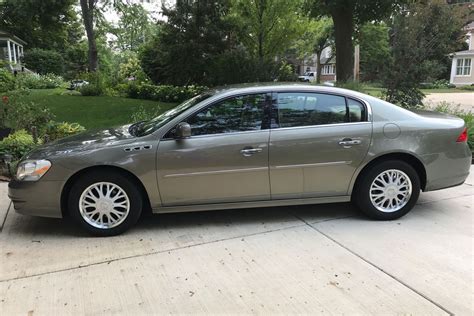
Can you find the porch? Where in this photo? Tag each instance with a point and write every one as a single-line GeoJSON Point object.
{"type": "Point", "coordinates": [11, 50]}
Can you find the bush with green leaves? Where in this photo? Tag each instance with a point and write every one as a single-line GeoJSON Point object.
{"type": "Point", "coordinates": [7, 81]}
{"type": "Point", "coordinates": [37, 81]}
{"type": "Point", "coordinates": [144, 115]}
{"type": "Point", "coordinates": [162, 93]}
{"type": "Point", "coordinates": [468, 88]}
{"type": "Point", "coordinates": [56, 130]}
{"type": "Point", "coordinates": [17, 144]}
{"type": "Point", "coordinates": [96, 86]}
{"type": "Point", "coordinates": [438, 84]}
{"type": "Point", "coordinates": [44, 61]}
{"type": "Point", "coordinates": [20, 113]}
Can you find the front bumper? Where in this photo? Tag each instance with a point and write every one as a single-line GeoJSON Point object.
{"type": "Point", "coordinates": [39, 198]}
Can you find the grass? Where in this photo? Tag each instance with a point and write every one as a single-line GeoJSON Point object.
{"type": "Point", "coordinates": [93, 112]}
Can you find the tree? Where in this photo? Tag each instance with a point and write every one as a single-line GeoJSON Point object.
{"type": "Point", "coordinates": [347, 16]}
{"type": "Point", "coordinates": [195, 32]}
{"type": "Point", "coordinates": [134, 27]}
{"type": "Point", "coordinates": [267, 27]}
{"type": "Point", "coordinates": [42, 24]}
{"type": "Point", "coordinates": [89, 8]}
{"type": "Point", "coordinates": [375, 50]}
{"type": "Point", "coordinates": [317, 36]}
{"type": "Point", "coordinates": [421, 37]}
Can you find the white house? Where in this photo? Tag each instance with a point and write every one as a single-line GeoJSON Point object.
{"type": "Point", "coordinates": [11, 50]}
{"type": "Point", "coordinates": [462, 73]}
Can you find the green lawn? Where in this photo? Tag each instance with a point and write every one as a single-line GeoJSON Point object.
{"type": "Point", "coordinates": [93, 112]}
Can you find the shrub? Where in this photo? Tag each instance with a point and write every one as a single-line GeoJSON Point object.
{"type": "Point", "coordinates": [407, 97]}
{"type": "Point", "coordinates": [17, 144]}
{"type": "Point", "coordinates": [469, 88]}
{"type": "Point", "coordinates": [143, 115]}
{"type": "Point", "coordinates": [162, 93]}
{"type": "Point", "coordinates": [7, 81]}
{"type": "Point", "coordinates": [438, 84]}
{"type": "Point", "coordinates": [36, 81]}
{"type": "Point", "coordinates": [19, 113]}
{"type": "Point", "coordinates": [56, 130]}
{"type": "Point", "coordinates": [96, 84]}
{"type": "Point", "coordinates": [44, 61]}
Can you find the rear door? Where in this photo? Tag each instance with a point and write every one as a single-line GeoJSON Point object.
{"type": "Point", "coordinates": [318, 142]}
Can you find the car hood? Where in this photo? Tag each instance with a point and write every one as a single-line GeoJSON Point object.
{"type": "Point", "coordinates": [83, 142]}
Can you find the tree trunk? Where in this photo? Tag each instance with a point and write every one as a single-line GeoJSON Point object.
{"type": "Point", "coordinates": [87, 7]}
{"type": "Point", "coordinates": [318, 67]}
{"type": "Point", "coordinates": [343, 30]}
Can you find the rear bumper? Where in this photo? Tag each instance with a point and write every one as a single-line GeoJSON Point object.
{"type": "Point", "coordinates": [40, 198]}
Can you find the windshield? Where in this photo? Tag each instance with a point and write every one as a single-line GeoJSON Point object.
{"type": "Point", "coordinates": [148, 127]}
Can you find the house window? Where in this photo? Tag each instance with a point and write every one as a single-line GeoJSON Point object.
{"type": "Point", "coordinates": [328, 70]}
{"type": "Point", "coordinates": [463, 67]}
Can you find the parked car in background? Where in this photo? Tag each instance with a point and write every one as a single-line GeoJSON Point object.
{"type": "Point", "coordinates": [308, 77]}
{"type": "Point", "coordinates": [238, 147]}
{"type": "Point", "coordinates": [77, 84]}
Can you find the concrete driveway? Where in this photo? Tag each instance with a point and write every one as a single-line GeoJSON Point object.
{"type": "Point", "coordinates": [464, 99]}
{"type": "Point", "coordinates": [305, 260]}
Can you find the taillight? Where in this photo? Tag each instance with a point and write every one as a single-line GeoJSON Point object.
{"type": "Point", "coordinates": [463, 136]}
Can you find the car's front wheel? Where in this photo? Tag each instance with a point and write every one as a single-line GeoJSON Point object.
{"type": "Point", "coordinates": [105, 203]}
{"type": "Point", "coordinates": [388, 190]}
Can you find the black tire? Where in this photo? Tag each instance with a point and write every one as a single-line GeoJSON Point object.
{"type": "Point", "coordinates": [127, 185]}
{"type": "Point", "coordinates": [361, 194]}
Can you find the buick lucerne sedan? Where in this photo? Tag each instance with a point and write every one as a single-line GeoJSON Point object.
{"type": "Point", "coordinates": [247, 146]}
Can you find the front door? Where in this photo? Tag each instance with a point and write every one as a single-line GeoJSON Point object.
{"type": "Point", "coordinates": [225, 159]}
{"type": "Point", "coordinates": [318, 143]}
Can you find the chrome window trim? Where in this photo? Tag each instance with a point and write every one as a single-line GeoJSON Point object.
{"type": "Point", "coordinates": [321, 126]}
{"type": "Point", "coordinates": [220, 134]}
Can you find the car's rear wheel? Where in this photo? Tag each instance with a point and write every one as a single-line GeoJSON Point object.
{"type": "Point", "coordinates": [105, 203]}
{"type": "Point", "coordinates": [388, 190]}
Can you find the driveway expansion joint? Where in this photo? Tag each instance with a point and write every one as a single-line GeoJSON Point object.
{"type": "Point", "coordinates": [375, 266]}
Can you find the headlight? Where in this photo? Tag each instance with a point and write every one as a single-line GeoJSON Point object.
{"type": "Point", "coordinates": [32, 170]}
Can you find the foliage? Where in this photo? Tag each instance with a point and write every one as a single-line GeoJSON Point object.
{"type": "Point", "coordinates": [267, 27]}
{"type": "Point", "coordinates": [238, 66]}
{"type": "Point", "coordinates": [163, 93]}
{"type": "Point", "coordinates": [7, 81]}
{"type": "Point", "coordinates": [317, 36]}
{"type": "Point", "coordinates": [36, 81]}
{"type": "Point", "coordinates": [134, 26]}
{"type": "Point", "coordinates": [21, 113]}
{"type": "Point", "coordinates": [438, 84]}
{"type": "Point", "coordinates": [348, 16]}
{"type": "Point", "coordinates": [47, 24]}
{"type": "Point", "coordinates": [44, 61]}
{"type": "Point", "coordinates": [375, 50]}
{"type": "Point", "coordinates": [456, 110]}
{"type": "Point", "coordinates": [143, 114]}
{"type": "Point", "coordinates": [75, 60]}
{"type": "Point", "coordinates": [194, 34]}
{"type": "Point", "coordinates": [96, 84]}
{"type": "Point", "coordinates": [131, 68]}
{"type": "Point", "coordinates": [424, 34]}
{"type": "Point", "coordinates": [469, 88]}
{"type": "Point", "coordinates": [56, 130]}
{"type": "Point", "coordinates": [17, 144]}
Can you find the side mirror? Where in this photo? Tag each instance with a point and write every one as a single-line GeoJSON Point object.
{"type": "Point", "coordinates": [183, 130]}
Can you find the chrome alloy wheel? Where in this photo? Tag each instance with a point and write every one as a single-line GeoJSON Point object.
{"type": "Point", "coordinates": [390, 191]}
{"type": "Point", "coordinates": [104, 205]}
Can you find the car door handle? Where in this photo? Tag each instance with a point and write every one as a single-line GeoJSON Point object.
{"type": "Point", "coordinates": [347, 142]}
{"type": "Point", "coordinates": [250, 151]}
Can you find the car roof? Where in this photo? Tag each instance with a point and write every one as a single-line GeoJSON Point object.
{"type": "Point", "coordinates": [281, 86]}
